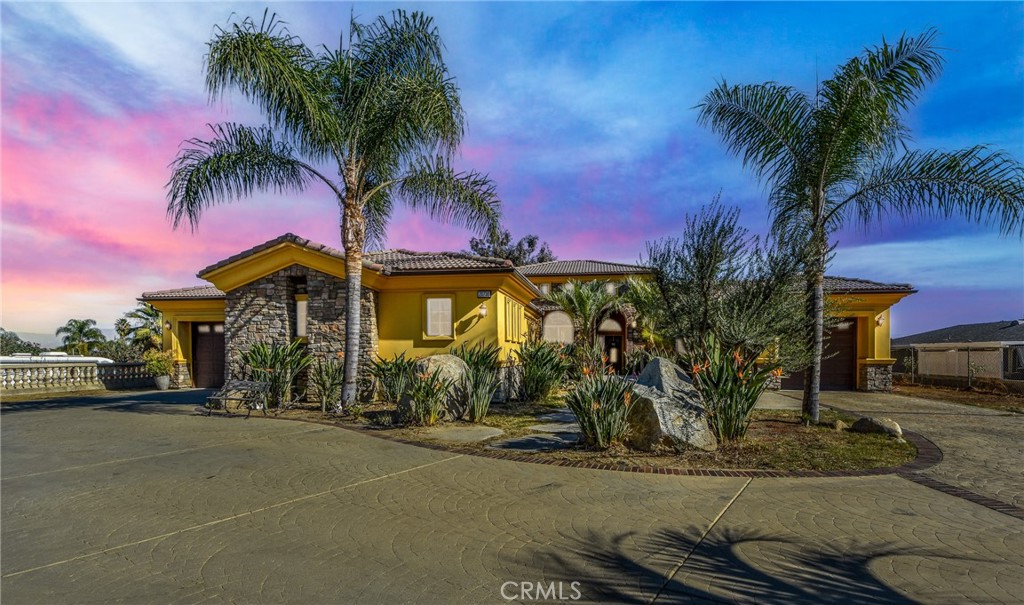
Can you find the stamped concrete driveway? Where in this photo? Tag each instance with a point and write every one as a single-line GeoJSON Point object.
{"type": "Point", "coordinates": [131, 499]}
{"type": "Point", "coordinates": [983, 450]}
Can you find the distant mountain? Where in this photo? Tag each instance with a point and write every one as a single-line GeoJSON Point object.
{"type": "Point", "coordinates": [48, 341]}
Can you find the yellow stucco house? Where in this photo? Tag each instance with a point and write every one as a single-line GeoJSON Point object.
{"type": "Point", "coordinates": [422, 303]}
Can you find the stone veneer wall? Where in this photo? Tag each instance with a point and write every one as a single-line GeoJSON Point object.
{"type": "Point", "coordinates": [264, 311]}
{"type": "Point", "coordinates": [876, 378]}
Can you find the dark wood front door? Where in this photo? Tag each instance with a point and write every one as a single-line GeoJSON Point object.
{"type": "Point", "coordinates": [839, 368]}
{"type": "Point", "coordinates": [208, 355]}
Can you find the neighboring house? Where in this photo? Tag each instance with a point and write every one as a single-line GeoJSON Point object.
{"type": "Point", "coordinates": [422, 303]}
{"type": "Point", "coordinates": [994, 350]}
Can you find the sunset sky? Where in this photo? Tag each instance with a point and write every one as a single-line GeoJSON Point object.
{"type": "Point", "coordinates": [581, 113]}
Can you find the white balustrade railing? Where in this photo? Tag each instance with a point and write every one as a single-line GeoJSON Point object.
{"type": "Point", "coordinates": [71, 376]}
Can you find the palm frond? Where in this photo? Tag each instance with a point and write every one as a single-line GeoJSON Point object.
{"type": "Point", "coordinates": [235, 162]}
{"type": "Point", "coordinates": [976, 183]}
{"type": "Point", "coordinates": [764, 124]}
{"type": "Point", "coordinates": [466, 199]}
{"type": "Point", "coordinates": [277, 72]}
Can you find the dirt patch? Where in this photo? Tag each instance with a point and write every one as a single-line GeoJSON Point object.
{"type": "Point", "coordinates": [1004, 402]}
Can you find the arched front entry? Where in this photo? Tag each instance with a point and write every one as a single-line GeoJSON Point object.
{"type": "Point", "coordinates": [611, 336]}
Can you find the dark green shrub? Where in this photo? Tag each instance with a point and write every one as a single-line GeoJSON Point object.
{"type": "Point", "coordinates": [279, 366]}
{"type": "Point", "coordinates": [393, 376]}
{"type": "Point", "coordinates": [601, 404]}
{"type": "Point", "coordinates": [542, 368]}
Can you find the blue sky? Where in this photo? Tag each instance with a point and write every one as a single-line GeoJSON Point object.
{"type": "Point", "coordinates": [582, 113]}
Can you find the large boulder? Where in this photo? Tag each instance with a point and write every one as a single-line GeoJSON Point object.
{"type": "Point", "coordinates": [452, 369]}
{"type": "Point", "coordinates": [885, 426]}
{"type": "Point", "coordinates": [668, 410]}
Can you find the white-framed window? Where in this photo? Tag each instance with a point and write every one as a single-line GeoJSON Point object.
{"type": "Point", "coordinates": [439, 317]}
{"type": "Point", "coordinates": [545, 289]}
{"type": "Point", "coordinates": [301, 311]}
{"type": "Point", "coordinates": [558, 327]}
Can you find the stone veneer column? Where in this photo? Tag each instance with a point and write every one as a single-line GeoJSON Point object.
{"type": "Point", "coordinates": [876, 378]}
{"type": "Point", "coordinates": [264, 311]}
{"type": "Point", "coordinates": [180, 378]}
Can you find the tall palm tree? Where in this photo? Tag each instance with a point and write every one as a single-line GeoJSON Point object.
{"type": "Point", "coordinates": [587, 304]}
{"type": "Point", "coordinates": [842, 155]}
{"type": "Point", "coordinates": [80, 335]}
{"type": "Point", "coordinates": [383, 111]}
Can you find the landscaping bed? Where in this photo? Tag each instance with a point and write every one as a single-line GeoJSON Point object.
{"type": "Point", "coordinates": [777, 440]}
{"type": "Point", "coordinates": [1004, 402]}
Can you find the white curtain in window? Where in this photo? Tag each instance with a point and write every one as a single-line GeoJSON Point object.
{"type": "Point", "coordinates": [558, 327]}
{"type": "Point", "coordinates": [439, 317]}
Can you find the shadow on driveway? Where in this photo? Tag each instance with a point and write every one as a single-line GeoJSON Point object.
{"type": "Point", "coordinates": [140, 402]}
{"type": "Point", "coordinates": [836, 572]}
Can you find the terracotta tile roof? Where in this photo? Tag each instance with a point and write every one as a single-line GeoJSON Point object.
{"type": "Point", "coordinates": [407, 261]}
{"type": "Point", "coordinates": [852, 285]}
{"type": "Point", "coordinates": [995, 331]}
{"type": "Point", "coordinates": [579, 267]}
{"type": "Point", "coordinates": [192, 293]}
{"type": "Point", "coordinates": [286, 238]}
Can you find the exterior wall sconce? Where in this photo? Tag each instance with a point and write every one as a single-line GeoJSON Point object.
{"type": "Point", "coordinates": [880, 320]}
{"type": "Point", "coordinates": [482, 309]}
{"type": "Point", "coordinates": [167, 326]}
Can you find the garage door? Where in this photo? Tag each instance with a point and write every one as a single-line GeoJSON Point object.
{"type": "Point", "coordinates": [839, 369]}
{"type": "Point", "coordinates": [208, 355]}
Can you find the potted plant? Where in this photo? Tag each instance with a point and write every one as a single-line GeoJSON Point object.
{"type": "Point", "coordinates": [159, 365]}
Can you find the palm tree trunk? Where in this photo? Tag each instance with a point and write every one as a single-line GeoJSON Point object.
{"type": "Point", "coordinates": [353, 235]}
{"type": "Point", "coordinates": [812, 376]}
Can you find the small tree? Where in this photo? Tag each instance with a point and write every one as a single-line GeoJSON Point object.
{"type": "Point", "coordinates": [736, 305]}
{"type": "Point", "coordinates": [11, 343]}
{"type": "Point", "coordinates": [498, 244]}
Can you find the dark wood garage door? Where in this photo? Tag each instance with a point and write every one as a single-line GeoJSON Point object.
{"type": "Point", "coordinates": [208, 355]}
{"type": "Point", "coordinates": [839, 369]}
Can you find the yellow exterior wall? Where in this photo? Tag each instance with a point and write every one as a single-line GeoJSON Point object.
{"type": "Point", "coordinates": [402, 307]}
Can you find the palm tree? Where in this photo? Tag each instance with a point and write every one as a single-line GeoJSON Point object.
{"type": "Point", "coordinates": [80, 335]}
{"type": "Point", "coordinates": [383, 111]}
{"type": "Point", "coordinates": [142, 326]}
{"type": "Point", "coordinates": [587, 304]}
{"type": "Point", "coordinates": [842, 155]}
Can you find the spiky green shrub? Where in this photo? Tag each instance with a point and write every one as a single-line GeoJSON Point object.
{"type": "Point", "coordinates": [585, 359]}
{"type": "Point", "coordinates": [730, 383]}
{"type": "Point", "coordinates": [392, 376]}
{"type": "Point", "coordinates": [481, 381]}
{"type": "Point", "coordinates": [601, 404]}
{"type": "Point", "coordinates": [542, 366]}
{"type": "Point", "coordinates": [279, 366]}
{"type": "Point", "coordinates": [326, 377]}
{"type": "Point", "coordinates": [427, 394]}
